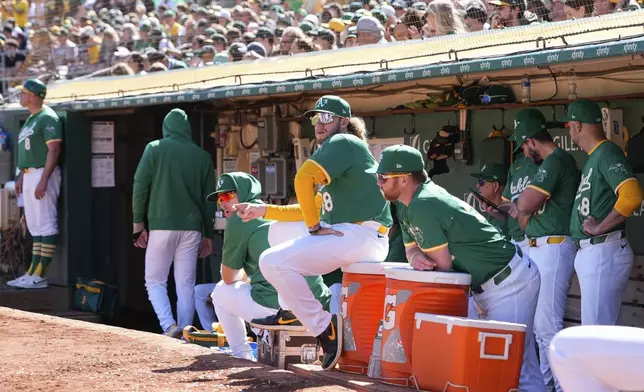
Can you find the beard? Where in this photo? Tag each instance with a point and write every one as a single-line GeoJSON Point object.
{"type": "Point", "coordinates": [534, 155]}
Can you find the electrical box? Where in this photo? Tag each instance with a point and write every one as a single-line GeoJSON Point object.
{"type": "Point", "coordinates": [302, 151]}
{"type": "Point", "coordinates": [376, 145]}
{"type": "Point", "coordinates": [612, 121]}
{"type": "Point", "coordinates": [267, 133]}
{"type": "Point", "coordinates": [272, 174]}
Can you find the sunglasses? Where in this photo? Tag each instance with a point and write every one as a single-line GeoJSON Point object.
{"type": "Point", "coordinates": [322, 118]}
{"type": "Point", "coordinates": [384, 177]}
{"type": "Point", "coordinates": [225, 197]}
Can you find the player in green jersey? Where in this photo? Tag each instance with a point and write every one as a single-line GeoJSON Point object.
{"type": "Point", "coordinates": [444, 233]}
{"type": "Point", "coordinates": [543, 210]}
{"type": "Point", "coordinates": [490, 185]}
{"type": "Point", "coordinates": [39, 145]}
{"type": "Point", "coordinates": [243, 293]}
{"type": "Point", "coordinates": [352, 227]}
{"type": "Point", "coordinates": [607, 195]}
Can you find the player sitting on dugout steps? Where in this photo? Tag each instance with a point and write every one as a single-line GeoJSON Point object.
{"type": "Point", "coordinates": [443, 232]}
{"type": "Point", "coordinates": [243, 293]}
{"type": "Point", "coordinates": [352, 228]}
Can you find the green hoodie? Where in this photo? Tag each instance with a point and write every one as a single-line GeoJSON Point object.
{"type": "Point", "coordinates": [173, 179]}
{"type": "Point", "coordinates": [244, 242]}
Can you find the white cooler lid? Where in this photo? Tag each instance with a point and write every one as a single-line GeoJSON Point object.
{"type": "Point", "coordinates": [370, 268]}
{"type": "Point", "coordinates": [465, 322]}
{"type": "Point", "coordinates": [411, 275]}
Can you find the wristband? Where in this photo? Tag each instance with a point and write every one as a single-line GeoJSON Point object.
{"type": "Point", "coordinates": [314, 229]}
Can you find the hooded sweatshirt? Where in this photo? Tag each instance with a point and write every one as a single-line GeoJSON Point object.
{"type": "Point", "coordinates": [172, 181]}
{"type": "Point", "coordinates": [244, 242]}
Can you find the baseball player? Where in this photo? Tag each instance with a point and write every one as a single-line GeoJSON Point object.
{"type": "Point", "coordinates": [521, 172]}
{"type": "Point", "coordinates": [490, 185]}
{"type": "Point", "coordinates": [204, 305]}
{"type": "Point", "coordinates": [607, 195]}
{"type": "Point", "coordinates": [543, 210]}
{"type": "Point", "coordinates": [444, 233]}
{"type": "Point", "coordinates": [243, 294]}
{"type": "Point", "coordinates": [598, 358]}
{"type": "Point", "coordinates": [171, 184]}
{"type": "Point", "coordinates": [352, 227]}
{"type": "Point", "coordinates": [39, 145]}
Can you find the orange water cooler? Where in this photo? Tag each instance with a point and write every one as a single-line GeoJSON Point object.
{"type": "Point", "coordinates": [466, 355]}
{"type": "Point", "coordinates": [363, 298]}
{"type": "Point", "coordinates": [409, 292]}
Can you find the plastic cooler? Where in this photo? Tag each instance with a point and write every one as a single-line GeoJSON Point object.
{"type": "Point", "coordinates": [460, 354]}
{"type": "Point", "coordinates": [409, 292]}
{"type": "Point", "coordinates": [363, 298]}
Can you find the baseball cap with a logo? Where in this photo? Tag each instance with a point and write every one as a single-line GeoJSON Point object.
{"type": "Point", "coordinates": [528, 123]}
{"type": "Point", "coordinates": [331, 104]}
{"type": "Point", "coordinates": [584, 111]}
{"type": "Point", "coordinates": [399, 159]}
{"type": "Point", "coordinates": [36, 87]}
{"type": "Point", "coordinates": [225, 184]}
{"type": "Point", "coordinates": [492, 172]}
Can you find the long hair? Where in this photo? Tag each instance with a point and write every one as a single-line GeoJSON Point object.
{"type": "Point", "coordinates": [357, 128]}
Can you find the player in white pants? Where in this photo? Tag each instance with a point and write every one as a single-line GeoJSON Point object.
{"type": "Point", "coordinates": [243, 294]}
{"type": "Point", "coordinates": [598, 358]}
{"type": "Point", "coordinates": [204, 306]}
{"type": "Point", "coordinates": [171, 184]}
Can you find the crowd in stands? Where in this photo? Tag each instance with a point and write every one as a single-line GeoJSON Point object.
{"type": "Point", "coordinates": [70, 39]}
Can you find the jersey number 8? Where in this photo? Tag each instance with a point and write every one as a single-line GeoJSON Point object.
{"type": "Point", "coordinates": [327, 203]}
{"type": "Point", "coordinates": [584, 206]}
{"type": "Point", "coordinates": [27, 144]}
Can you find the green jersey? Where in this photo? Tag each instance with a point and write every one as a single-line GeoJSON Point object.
{"type": "Point", "coordinates": [39, 129]}
{"type": "Point", "coordinates": [397, 252]}
{"type": "Point", "coordinates": [435, 218]}
{"type": "Point", "coordinates": [351, 195]}
{"type": "Point", "coordinates": [605, 170]}
{"type": "Point", "coordinates": [557, 178]}
{"type": "Point", "coordinates": [500, 224]}
{"type": "Point", "coordinates": [244, 242]}
{"type": "Point", "coordinates": [519, 176]}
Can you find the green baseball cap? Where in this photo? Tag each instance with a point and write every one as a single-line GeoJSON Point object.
{"type": "Point", "coordinates": [36, 87]}
{"type": "Point", "coordinates": [492, 172]}
{"type": "Point", "coordinates": [330, 104]}
{"type": "Point", "coordinates": [528, 123]}
{"type": "Point", "coordinates": [399, 159]}
{"type": "Point", "coordinates": [225, 184]}
{"type": "Point", "coordinates": [584, 111]}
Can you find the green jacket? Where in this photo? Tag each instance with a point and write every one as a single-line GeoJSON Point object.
{"type": "Point", "coordinates": [172, 181]}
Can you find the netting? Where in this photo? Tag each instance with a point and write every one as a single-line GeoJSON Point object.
{"type": "Point", "coordinates": [71, 39]}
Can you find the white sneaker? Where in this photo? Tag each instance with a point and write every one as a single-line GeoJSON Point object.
{"type": "Point", "coordinates": [32, 282]}
{"type": "Point", "coordinates": [18, 279]}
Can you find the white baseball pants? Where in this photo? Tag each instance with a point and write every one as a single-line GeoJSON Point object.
{"type": "Point", "coordinates": [285, 266]}
{"type": "Point", "coordinates": [41, 215]}
{"type": "Point", "coordinates": [514, 300]}
{"type": "Point", "coordinates": [203, 305]}
{"type": "Point", "coordinates": [234, 305]}
{"type": "Point", "coordinates": [556, 264]}
{"type": "Point", "coordinates": [594, 358]}
{"type": "Point", "coordinates": [524, 245]}
{"type": "Point", "coordinates": [164, 247]}
{"type": "Point", "coordinates": [603, 271]}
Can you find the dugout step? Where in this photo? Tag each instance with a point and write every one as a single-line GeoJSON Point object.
{"type": "Point", "coordinates": [348, 380]}
{"type": "Point", "coordinates": [51, 299]}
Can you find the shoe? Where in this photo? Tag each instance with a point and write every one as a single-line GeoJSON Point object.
{"type": "Point", "coordinates": [18, 279]}
{"type": "Point", "coordinates": [331, 342]}
{"type": "Point", "coordinates": [32, 282]}
{"type": "Point", "coordinates": [173, 332]}
{"type": "Point", "coordinates": [283, 320]}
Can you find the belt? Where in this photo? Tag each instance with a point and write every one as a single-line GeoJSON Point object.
{"type": "Point", "coordinates": [600, 239]}
{"type": "Point", "coordinates": [500, 276]}
{"type": "Point", "coordinates": [534, 242]}
{"type": "Point", "coordinates": [381, 229]}
{"type": "Point", "coordinates": [518, 238]}
{"type": "Point", "coordinates": [28, 169]}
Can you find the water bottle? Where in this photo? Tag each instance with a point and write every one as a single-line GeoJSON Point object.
{"type": "Point", "coordinates": [525, 89]}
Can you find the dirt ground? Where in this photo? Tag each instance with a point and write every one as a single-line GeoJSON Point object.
{"type": "Point", "coordinates": [43, 353]}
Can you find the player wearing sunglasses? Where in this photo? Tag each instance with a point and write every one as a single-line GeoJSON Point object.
{"type": "Point", "coordinates": [243, 293]}
{"type": "Point", "coordinates": [352, 226]}
{"type": "Point", "coordinates": [491, 181]}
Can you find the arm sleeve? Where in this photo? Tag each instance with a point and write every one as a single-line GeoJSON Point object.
{"type": "Point", "coordinates": [142, 182]}
{"type": "Point", "coordinates": [334, 157]}
{"type": "Point", "coordinates": [235, 248]}
{"type": "Point", "coordinates": [547, 176]}
{"type": "Point", "coordinates": [52, 129]}
{"type": "Point", "coordinates": [306, 178]}
{"type": "Point", "coordinates": [208, 209]}
{"type": "Point", "coordinates": [289, 213]}
{"type": "Point", "coordinates": [629, 197]}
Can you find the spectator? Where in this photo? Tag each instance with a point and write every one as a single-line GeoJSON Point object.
{"type": "Point", "coordinates": [442, 19]}
{"type": "Point", "coordinates": [169, 63]}
{"type": "Point", "coordinates": [157, 67]}
{"type": "Point", "coordinates": [475, 15]}
{"type": "Point", "coordinates": [266, 37]}
{"type": "Point", "coordinates": [577, 9]}
{"type": "Point", "coordinates": [369, 31]}
{"type": "Point", "coordinates": [11, 58]}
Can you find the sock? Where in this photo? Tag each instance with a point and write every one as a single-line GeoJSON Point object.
{"type": "Point", "coordinates": [47, 250]}
{"type": "Point", "coordinates": [35, 255]}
